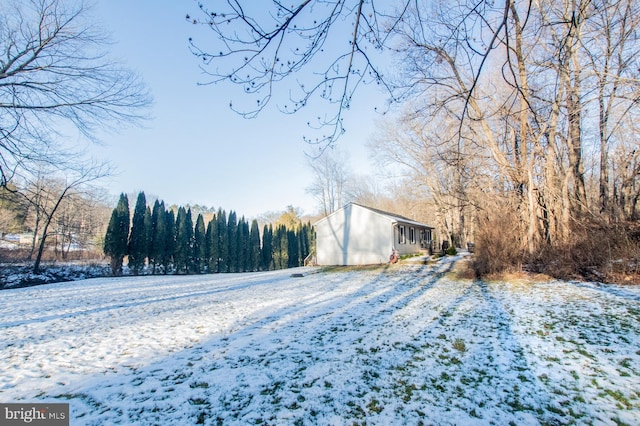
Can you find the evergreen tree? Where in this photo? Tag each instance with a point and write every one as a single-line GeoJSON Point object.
{"type": "Point", "coordinates": [232, 232]}
{"type": "Point", "coordinates": [190, 236]}
{"type": "Point", "coordinates": [280, 248]}
{"type": "Point", "coordinates": [302, 243]}
{"type": "Point", "coordinates": [148, 231]}
{"type": "Point", "coordinates": [199, 246]}
{"type": "Point", "coordinates": [243, 245]}
{"type": "Point", "coordinates": [158, 234]}
{"type": "Point", "coordinates": [311, 235]}
{"type": "Point", "coordinates": [170, 241]}
{"type": "Point", "coordinates": [304, 234]}
{"type": "Point", "coordinates": [254, 246]}
{"type": "Point", "coordinates": [293, 256]}
{"type": "Point", "coordinates": [115, 240]}
{"type": "Point", "coordinates": [183, 253]}
{"type": "Point", "coordinates": [137, 240]}
{"type": "Point", "coordinates": [223, 241]}
{"type": "Point", "coordinates": [213, 250]}
{"type": "Point", "coordinates": [266, 255]}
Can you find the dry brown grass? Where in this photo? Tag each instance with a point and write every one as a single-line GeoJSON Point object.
{"type": "Point", "coordinates": [356, 268]}
{"type": "Point", "coordinates": [463, 270]}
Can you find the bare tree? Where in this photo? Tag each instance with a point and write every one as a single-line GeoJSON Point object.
{"type": "Point", "coordinates": [48, 193]}
{"type": "Point", "coordinates": [81, 221]}
{"type": "Point", "coordinates": [330, 179]}
{"type": "Point", "coordinates": [611, 48]}
{"type": "Point", "coordinates": [54, 72]}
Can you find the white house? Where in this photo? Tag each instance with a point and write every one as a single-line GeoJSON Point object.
{"type": "Point", "coordinates": [359, 235]}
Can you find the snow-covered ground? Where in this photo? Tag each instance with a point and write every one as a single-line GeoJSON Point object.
{"type": "Point", "coordinates": [407, 344]}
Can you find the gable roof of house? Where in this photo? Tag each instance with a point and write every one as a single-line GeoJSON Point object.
{"type": "Point", "coordinates": [391, 216]}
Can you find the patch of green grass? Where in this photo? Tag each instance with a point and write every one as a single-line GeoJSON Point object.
{"type": "Point", "coordinates": [455, 361]}
{"type": "Point", "coordinates": [198, 401]}
{"type": "Point", "coordinates": [445, 377]}
{"type": "Point", "coordinates": [202, 385]}
{"type": "Point", "coordinates": [273, 388]}
{"type": "Point", "coordinates": [574, 414]}
{"type": "Point", "coordinates": [86, 398]}
{"type": "Point", "coordinates": [618, 396]}
{"type": "Point", "coordinates": [310, 384]}
{"type": "Point", "coordinates": [516, 404]}
{"type": "Point", "coordinates": [555, 410]}
{"type": "Point", "coordinates": [459, 345]}
{"type": "Point", "coordinates": [405, 390]}
{"type": "Point", "coordinates": [369, 375]}
{"type": "Point", "coordinates": [293, 406]}
{"type": "Point", "coordinates": [355, 410]}
{"type": "Point", "coordinates": [626, 363]}
{"type": "Point", "coordinates": [374, 406]}
{"type": "Point", "coordinates": [584, 353]}
{"type": "Point", "coordinates": [355, 268]}
{"type": "Point", "coordinates": [466, 380]}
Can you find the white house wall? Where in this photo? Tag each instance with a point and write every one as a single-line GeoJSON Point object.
{"type": "Point", "coordinates": [354, 236]}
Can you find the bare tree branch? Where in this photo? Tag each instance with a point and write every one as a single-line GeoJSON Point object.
{"type": "Point", "coordinates": [259, 46]}
{"type": "Point", "coordinates": [54, 70]}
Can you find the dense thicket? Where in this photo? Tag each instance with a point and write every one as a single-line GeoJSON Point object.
{"type": "Point", "coordinates": [170, 242]}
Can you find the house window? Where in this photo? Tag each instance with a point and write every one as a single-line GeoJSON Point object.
{"type": "Point", "coordinates": [402, 236]}
{"type": "Point", "coordinates": [412, 235]}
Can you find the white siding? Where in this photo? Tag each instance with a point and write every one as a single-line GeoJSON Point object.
{"type": "Point", "coordinates": [354, 236]}
{"type": "Point", "coordinates": [409, 246]}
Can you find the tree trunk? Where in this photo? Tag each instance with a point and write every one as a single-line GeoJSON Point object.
{"type": "Point", "coordinates": [49, 217]}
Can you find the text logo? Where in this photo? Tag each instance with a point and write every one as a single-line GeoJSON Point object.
{"type": "Point", "coordinates": [34, 414]}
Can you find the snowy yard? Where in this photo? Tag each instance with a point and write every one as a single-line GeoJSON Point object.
{"type": "Point", "coordinates": [407, 344]}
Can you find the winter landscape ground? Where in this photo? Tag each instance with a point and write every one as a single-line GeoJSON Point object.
{"type": "Point", "coordinates": [402, 344]}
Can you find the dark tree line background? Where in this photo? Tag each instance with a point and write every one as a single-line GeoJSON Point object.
{"type": "Point", "coordinates": [168, 241]}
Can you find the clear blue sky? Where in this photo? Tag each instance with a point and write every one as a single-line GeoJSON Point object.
{"type": "Point", "coordinates": [195, 149]}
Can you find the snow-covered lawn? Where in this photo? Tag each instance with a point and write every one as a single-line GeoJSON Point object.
{"type": "Point", "coordinates": [406, 344]}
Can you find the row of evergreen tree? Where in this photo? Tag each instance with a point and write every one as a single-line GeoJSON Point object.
{"type": "Point", "coordinates": [168, 241]}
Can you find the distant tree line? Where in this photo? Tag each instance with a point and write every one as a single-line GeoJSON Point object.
{"type": "Point", "coordinates": [168, 241]}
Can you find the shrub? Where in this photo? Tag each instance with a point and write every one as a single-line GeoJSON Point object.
{"type": "Point", "coordinates": [598, 250]}
{"type": "Point", "coordinates": [496, 250]}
